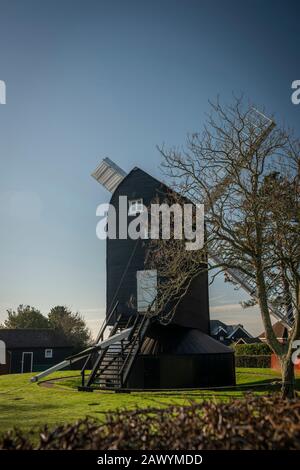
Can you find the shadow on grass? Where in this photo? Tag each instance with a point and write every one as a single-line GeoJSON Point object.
{"type": "Point", "coordinates": [263, 385]}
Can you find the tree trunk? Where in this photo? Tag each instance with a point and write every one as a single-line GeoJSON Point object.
{"type": "Point", "coordinates": [288, 377]}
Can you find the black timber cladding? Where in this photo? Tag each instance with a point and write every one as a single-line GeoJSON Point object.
{"type": "Point", "coordinates": [193, 311]}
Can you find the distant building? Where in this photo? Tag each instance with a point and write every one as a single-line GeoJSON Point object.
{"type": "Point", "coordinates": [280, 331]}
{"type": "Point", "coordinates": [228, 334]}
{"type": "Point", "coordinates": [281, 334]}
{"type": "Point", "coordinates": [248, 341]}
{"type": "Point", "coordinates": [30, 350]}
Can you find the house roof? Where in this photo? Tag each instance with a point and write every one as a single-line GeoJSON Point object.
{"type": "Point", "coordinates": [279, 330]}
{"type": "Point", "coordinates": [33, 338]}
{"type": "Point", "coordinates": [248, 341]}
{"type": "Point", "coordinates": [233, 328]}
{"type": "Point", "coordinates": [217, 325]}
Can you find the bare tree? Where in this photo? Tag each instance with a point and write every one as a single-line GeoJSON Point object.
{"type": "Point", "coordinates": [246, 171]}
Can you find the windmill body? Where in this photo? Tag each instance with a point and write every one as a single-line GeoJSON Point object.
{"type": "Point", "coordinates": [181, 354]}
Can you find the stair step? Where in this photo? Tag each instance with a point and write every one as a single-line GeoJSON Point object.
{"type": "Point", "coordinates": [108, 372]}
{"type": "Point", "coordinates": [107, 381]}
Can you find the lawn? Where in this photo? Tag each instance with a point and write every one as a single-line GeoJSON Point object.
{"type": "Point", "coordinates": [31, 405]}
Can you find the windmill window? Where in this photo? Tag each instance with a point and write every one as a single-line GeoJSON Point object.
{"type": "Point", "coordinates": [135, 206]}
{"type": "Point", "coordinates": [48, 353]}
{"type": "Point", "coordinates": [146, 289]}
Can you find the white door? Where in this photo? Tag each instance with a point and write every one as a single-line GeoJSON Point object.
{"type": "Point", "coordinates": [27, 361]}
{"type": "Point", "coordinates": [146, 289]}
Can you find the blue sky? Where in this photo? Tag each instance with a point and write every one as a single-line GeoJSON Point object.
{"type": "Point", "coordinates": [93, 79]}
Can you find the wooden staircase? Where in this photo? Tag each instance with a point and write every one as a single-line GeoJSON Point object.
{"type": "Point", "coordinates": [112, 365]}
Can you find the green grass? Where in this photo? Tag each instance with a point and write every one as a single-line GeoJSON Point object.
{"type": "Point", "coordinates": [29, 405]}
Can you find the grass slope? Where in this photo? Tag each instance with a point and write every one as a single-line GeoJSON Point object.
{"type": "Point", "coordinates": [29, 405]}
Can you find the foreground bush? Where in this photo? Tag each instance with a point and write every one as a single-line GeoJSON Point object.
{"type": "Point", "coordinates": [250, 423]}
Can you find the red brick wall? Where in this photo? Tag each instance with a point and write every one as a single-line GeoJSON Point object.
{"type": "Point", "coordinates": [276, 366]}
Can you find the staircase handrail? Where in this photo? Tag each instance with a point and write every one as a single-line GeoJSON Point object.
{"type": "Point", "coordinates": [126, 366]}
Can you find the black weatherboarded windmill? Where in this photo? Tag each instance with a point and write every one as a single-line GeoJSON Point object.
{"type": "Point", "coordinates": [150, 355]}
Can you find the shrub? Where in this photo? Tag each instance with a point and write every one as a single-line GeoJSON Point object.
{"type": "Point", "coordinates": [253, 361]}
{"type": "Point", "coordinates": [254, 423]}
{"type": "Point", "coordinates": [254, 349]}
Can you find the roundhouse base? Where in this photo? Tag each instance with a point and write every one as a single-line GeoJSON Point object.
{"type": "Point", "coordinates": [182, 371]}
{"type": "Point", "coordinates": [175, 357]}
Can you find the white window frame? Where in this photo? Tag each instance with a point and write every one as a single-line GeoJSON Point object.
{"type": "Point", "coordinates": [135, 206]}
{"type": "Point", "coordinates": [48, 353]}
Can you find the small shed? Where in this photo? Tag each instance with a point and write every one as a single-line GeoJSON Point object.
{"type": "Point", "coordinates": [30, 350]}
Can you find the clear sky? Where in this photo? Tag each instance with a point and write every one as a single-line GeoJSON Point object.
{"type": "Point", "coordinates": [92, 79]}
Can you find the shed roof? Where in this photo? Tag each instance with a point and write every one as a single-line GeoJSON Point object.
{"type": "Point", "coordinates": [179, 340]}
{"type": "Point", "coordinates": [33, 338]}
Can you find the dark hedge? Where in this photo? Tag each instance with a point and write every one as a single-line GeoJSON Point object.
{"type": "Point", "coordinates": [250, 423]}
{"type": "Point", "coordinates": [254, 349]}
{"type": "Point", "coordinates": [253, 361]}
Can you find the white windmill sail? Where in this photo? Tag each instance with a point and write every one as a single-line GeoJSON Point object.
{"type": "Point", "coordinates": [109, 174]}
{"type": "Point", "coordinates": [277, 309]}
